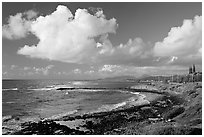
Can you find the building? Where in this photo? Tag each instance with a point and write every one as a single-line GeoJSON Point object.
{"type": "Point", "coordinates": [193, 69]}
{"type": "Point", "coordinates": [190, 70]}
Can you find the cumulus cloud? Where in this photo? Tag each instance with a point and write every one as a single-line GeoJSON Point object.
{"type": "Point", "coordinates": [137, 71]}
{"type": "Point", "coordinates": [68, 38]}
{"type": "Point", "coordinates": [13, 67]}
{"type": "Point", "coordinates": [109, 68]}
{"type": "Point", "coordinates": [135, 51]}
{"type": "Point", "coordinates": [77, 71]}
{"type": "Point", "coordinates": [26, 68]}
{"type": "Point", "coordinates": [18, 25]}
{"type": "Point", "coordinates": [44, 71]}
{"type": "Point", "coordinates": [83, 37]}
{"type": "Point", "coordinates": [172, 59]}
{"type": "Point", "coordinates": [89, 72]}
{"type": "Point", "coordinates": [30, 14]}
{"type": "Point", "coordinates": [5, 73]}
{"type": "Point", "coordinates": [184, 41]}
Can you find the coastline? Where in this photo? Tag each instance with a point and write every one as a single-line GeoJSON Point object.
{"type": "Point", "coordinates": [161, 111]}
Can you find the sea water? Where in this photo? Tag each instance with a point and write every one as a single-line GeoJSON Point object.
{"type": "Point", "coordinates": [38, 99]}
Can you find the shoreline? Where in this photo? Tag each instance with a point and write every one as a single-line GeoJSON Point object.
{"type": "Point", "coordinates": [162, 107]}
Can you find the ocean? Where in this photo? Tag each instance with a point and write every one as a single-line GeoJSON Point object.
{"type": "Point", "coordinates": [27, 100]}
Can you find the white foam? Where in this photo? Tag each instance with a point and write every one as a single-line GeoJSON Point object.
{"type": "Point", "coordinates": [6, 118]}
{"type": "Point", "coordinates": [79, 83]}
{"type": "Point", "coordinates": [9, 89]}
{"type": "Point", "coordinates": [58, 116]}
{"type": "Point", "coordinates": [132, 101]}
{"type": "Point", "coordinates": [52, 87]}
{"type": "Point", "coordinates": [124, 91]}
{"type": "Point", "coordinates": [91, 90]}
{"type": "Point", "coordinates": [39, 89]}
{"type": "Point", "coordinates": [105, 108]}
{"type": "Point", "coordinates": [136, 93]}
{"type": "Point", "coordinates": [9, 102]}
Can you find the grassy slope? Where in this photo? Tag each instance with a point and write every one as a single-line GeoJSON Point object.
{"type": "Point", "coordinates": [184, 117]}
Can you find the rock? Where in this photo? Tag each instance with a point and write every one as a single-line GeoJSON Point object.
{"type": "Point", "coordinates": [17, 118]}
{"type": "Point", "coordinates": [77, 127]}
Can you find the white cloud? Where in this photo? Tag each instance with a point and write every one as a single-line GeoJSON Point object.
{"type": "Point", "coordinates": [89, 72]}
{"type": "Point", "coordinates": [5, 73]}
{"type": "Point", "coordinates": [109, 68]}
{"type": "Point", "coordinates": [18, 25]}
{"type": "Point", "coordinates": [123, 70]}
{"type": "Point", "coordinates": [63, 73]}
{"type": "Point", "coordinates": [13, 67]}
{"type": "Point", "coordinates": [68, 38]}
{"type": "Point", "coordinates": [83, 37]}
{"type": "Point", "coordinates": [172, 59]}
{"type": "Point", "coordinates": [77, 71]}
{"type": "Point", "coordinates": [184, 41]}
{"type": "Point", "coordinates": [30, 14]}
{"type": "Point", "coordinates": [44, 71]}
{"type": "Point", "coordinates": [132, 52]}
{"type": "Point", "coordinates": [26, 68]}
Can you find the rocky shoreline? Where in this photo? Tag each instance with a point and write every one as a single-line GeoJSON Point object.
{"type": "Point", "coordinates": [174, 109]}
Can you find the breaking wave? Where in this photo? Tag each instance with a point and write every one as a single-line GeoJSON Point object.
{"type": "Point", "coordinates": [52, 87]}
{"type": "Point", "coordinates": [9, 89]}
{"type": "Point", "coordinates": [106, 108]}
{"type": "Point", "coordinates": [58, 116]}
{"type": "Point", "coordinates": [132, 101]}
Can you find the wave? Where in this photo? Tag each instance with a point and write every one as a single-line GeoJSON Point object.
{"type": "Point", "coordinates": [91, 90]}
{"type": "Point", "coordinates": [136, 93]}
{"type": "Point", "coordinates": [51, 87]}
{"type": "Point", "coordinates": [106, 108]}
{"type": "Point", "coordinates": [9, 102]}
{"type": "Point", "coordinates": [6, 118]}
{"type": "Point", "coordinates": [132, 101]}
{"type": "Point", "coordinates": [37, 89]}
{"type": "Point", "coordinates": [9, 89]}
{"type": "Point", "coordinates": [79, 83]}
{"type": "Point", "coordinates": [58, 116]}
{"type": "Point", "coordinates": [126, 91]}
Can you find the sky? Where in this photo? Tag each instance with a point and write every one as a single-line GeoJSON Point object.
{"type": "Point", "coordinates": [76, 40]}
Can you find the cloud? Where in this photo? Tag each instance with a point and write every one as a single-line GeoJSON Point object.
{"type": "Point", "coordinates": [135, 51]}
{"type": "Point", "coordinates": [109, 68]}
{"type": "Point", "coordinates": [123, 70]}
{"type": "Point", "coordinates": [172, 59]}
{"type": "Point", "coordinates": [182, 42]}
{"type": "Point", "coordinates": [5, 73]}
{"type": "Point", "coordinates": [30, 14]}
{"type": "Point", "coordinates": [18, 25]}
{"type": "Point", "coordinates": [89, 72]}
{"type": "Point", "coordinates": [68, 38]}
{"type": "Point", "coordinates": [77, 71]}
{"type": "Point", "coordinates": [44, 71]}
{"type": "Point", "coordinates": [83, 37]}
{"type": "Point", "coordinates": [13, 67]}
{"type": "Point", "coordinates": [26, 68]}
